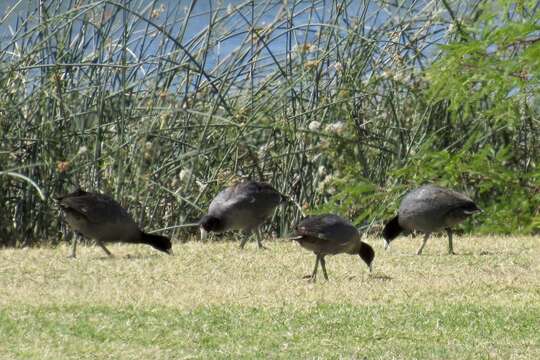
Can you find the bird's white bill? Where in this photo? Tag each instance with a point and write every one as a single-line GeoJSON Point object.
{"type": "Point", "coordinates": [204, 233]}
{"type": "Point", "coordinates": [386, 244]}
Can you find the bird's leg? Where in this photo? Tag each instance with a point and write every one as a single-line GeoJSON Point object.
{"type": "Point", "coordinates": [419, 251]}
{"type": "Point", "coordinates": [243, 241]}
{"type": "Point", "coordinates": [313, 276]}
{"type": "Point", "coordinates": [74, 239]}
{"type": "Point", "coordinates": [101, 245]}
{"type": "Point", "coordinates": [259, 239]}
{"type": "Point", "coordinates": [323, 265]}
{"type": "Point", "coordinates": [74, 246]}
{"type": "Point", "coordinates": [450, 246]}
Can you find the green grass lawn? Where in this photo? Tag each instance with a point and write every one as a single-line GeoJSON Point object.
{"type": "Point", "coordinates": [211, 300]}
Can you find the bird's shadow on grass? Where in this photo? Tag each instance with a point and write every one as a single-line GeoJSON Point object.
{"type": "Point", "coordinates": [381, 277]}
{"type": "Point", "coordinates": [127, 257]}
{"type": "Point", "coordinates": [373, 276]}
{"type": "Point", "coordinates": [144, 256]}
{"type": "Point", "coordinates": [494, 253]}
{"type": "Point", "coordinates": [484, 253]}
{"type": "Point", "coordinates": [457, 254]}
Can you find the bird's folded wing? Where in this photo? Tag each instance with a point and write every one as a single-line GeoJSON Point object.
{"type": "Point", "coordinates": [95, 210]}
{"type": "Point", "coordinates": [227, 201]}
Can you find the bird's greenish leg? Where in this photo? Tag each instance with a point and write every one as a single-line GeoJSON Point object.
{"type": "Point", "coordinates": [323, 265]}
{"type": "Point", "coordinates": [426, 237]}
{"type": "Point", "coordinates": [101, 245]}
{"type": "Point", "coordinates": [74, 239]}
{"type": "Point", "coordinates": [450, 245]}
{"type": "Point", "coordinates": [259, 239]}
{"type": "Point", "coordinates": [243, 241]}
{"type": "Point", "coordinates": [313, 276]}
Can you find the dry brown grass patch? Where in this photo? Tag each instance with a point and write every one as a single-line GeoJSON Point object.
{"type": "Point", "coordinates": [487, 270]}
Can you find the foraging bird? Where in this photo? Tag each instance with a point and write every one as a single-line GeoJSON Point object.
{"type": "Point", "coordinates": [244, 206]}
{"type": "Point", "coordinates": [330, 235]}
{"type": "Point", "coordinates": [429, 209]}
{"type": "Point", "coordinates": [99, 217]}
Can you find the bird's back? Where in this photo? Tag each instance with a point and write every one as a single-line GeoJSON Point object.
{"type": "Point", "coordinates": [245, 205]}
{"type": "Point", "coordinates": [328, 234]}
{"type": "Point", "coordinates": [98, 216]}
{"type": "Point", "coordinates": [430, 208]}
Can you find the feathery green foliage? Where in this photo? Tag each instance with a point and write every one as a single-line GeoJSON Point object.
{"type": "Point", "coordinates": [475, 127]}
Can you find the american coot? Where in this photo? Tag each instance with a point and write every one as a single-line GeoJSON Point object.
{"type": "Point", "coordinates": [329, 235]}
{"type": "Point", "coordinates": [99, 217]}
{"type": "Point", "coordinates": [429, 209]}
{"type": "Point", "coordinates": [244, 206]}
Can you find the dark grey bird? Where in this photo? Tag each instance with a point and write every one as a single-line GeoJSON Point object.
{"type": "Point", "coordinates": [330, 235]}
{"type": "Point", "coordinates": [243, 206]}
{"type": "Point", "coordinates": [99, 217]}
{"type": "Point", "coordinates": [430, 209]}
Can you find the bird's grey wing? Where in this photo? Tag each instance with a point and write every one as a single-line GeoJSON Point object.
{"type": "Point", "coordinates": [237, 204]}
{"type": "Point", "coordinates": [327, 228]}
{"type": "Point", "coordinates": [450, 200]}
{"type": "Point", "coordinates": [222, 201]}
{"type": "Point", "coordinates": [253, 196]}
{"type": "Point", "coordinates": [96, 208]}
{"type": "Point", "coordinates": [254, 187]}
{"type": "Point", "coordinates": [270, 199]}
{"type": "Point", "coordinates": [434, 199]}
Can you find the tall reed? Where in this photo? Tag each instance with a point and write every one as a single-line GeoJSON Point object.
{"type": "Point", "coordinates": [161, 104]}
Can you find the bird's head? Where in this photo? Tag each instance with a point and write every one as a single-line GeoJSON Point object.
{"type": "Point", "coordinates": [367, 254]}
{"type": "Point", "coordinates": [159, 242]}
{"type": "Point", "coordinates": [209, 223]}
{"type": "Point", "coordinates": [471, 208]}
